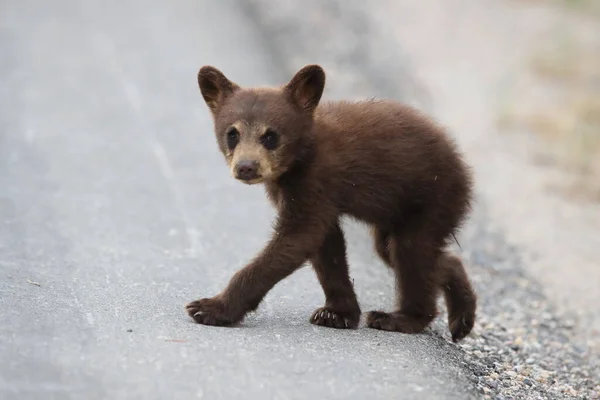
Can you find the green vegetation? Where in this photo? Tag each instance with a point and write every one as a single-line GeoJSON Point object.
{"type": "Point", "coordinates": [563, 110]}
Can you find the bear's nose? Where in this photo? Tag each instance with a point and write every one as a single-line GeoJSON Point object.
{"type": "Point", "coordinates": [246, 170]}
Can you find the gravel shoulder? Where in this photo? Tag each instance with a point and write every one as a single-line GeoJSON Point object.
{"type": "Point", "coordinates": [528, 342]}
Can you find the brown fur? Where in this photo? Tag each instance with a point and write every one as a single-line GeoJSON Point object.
{"type": "Point", "coordinates": [379, 162]}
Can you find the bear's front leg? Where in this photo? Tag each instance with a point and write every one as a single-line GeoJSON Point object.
{"type": "Point", "coordinates": [294, 241]}
{"type": "Point", "coordinates": [341, 309]}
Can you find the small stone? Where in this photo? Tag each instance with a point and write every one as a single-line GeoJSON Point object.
{"type": "Point", "coordinates": [492, 384]}
{"type": "Point", "coordinates": [518, 341]}
{"type": "Point", "coordinates": [569, 323]}
{"type": "Point", "coordinates": [494, 358]}
{"type": "Point", "coordinates": [129, 330]}
{"type": "Point", "coordinates": [547, 316]}
{"type": "Point", "coordinates": [528, 382]}
{"type": "Point", "coordinates": [478, 369]}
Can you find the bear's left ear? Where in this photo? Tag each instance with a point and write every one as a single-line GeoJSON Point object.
{"type": "Point", "coordinates": [215, 87]}
{"type": "Point", "coordinates": [306, 87]}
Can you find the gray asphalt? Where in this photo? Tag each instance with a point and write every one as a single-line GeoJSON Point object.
{"type": "Point", "coordinates": [116, 209]}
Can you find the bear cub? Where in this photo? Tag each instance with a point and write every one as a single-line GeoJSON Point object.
{"type": "Point", "coordinates": [377, 161]}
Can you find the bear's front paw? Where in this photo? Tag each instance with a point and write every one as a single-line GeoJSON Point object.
{"type": "Point", "coordinates": [213, 311]}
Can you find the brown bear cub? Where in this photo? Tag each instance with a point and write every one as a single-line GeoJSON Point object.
{"type": "Point", "coordinates": [379, 162]}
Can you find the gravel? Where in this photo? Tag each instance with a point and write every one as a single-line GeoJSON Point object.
{"type": "Point", "coordinates": [519, 348]}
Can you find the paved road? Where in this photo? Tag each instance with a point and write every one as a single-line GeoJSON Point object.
{"type": "Point", "coordinates": [116, 209]}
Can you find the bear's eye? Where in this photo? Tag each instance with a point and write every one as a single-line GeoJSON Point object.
{"type": "Point", "coordinates": [270, 139]}
{"type": "Point", "coordinates": [233, 137]}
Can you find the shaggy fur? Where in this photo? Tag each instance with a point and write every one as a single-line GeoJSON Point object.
{"type": "Point", "coordinates": [379, 162]}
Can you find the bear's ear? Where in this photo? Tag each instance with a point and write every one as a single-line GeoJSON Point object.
{"type": "Point", "coordinates": [214, 86]}
{"type": "Point", "coordinates": [306, 87]}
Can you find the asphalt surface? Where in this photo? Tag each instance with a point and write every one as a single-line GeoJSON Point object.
{"type": "Point", "coordinates": [520, 347]}
{"type": "Point", "coordinates": [116, 209]}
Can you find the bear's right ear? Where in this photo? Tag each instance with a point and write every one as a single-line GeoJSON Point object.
{"type": "Point", "coordinates": [214, 86]}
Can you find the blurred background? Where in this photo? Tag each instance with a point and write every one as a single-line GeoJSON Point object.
{"type": "Point", "coordinates": [117, 208]}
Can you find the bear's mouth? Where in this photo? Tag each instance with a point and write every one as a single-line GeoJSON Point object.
{"type": "Point", "coordinates": [253, 181]}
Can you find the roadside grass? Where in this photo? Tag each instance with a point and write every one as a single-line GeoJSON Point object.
{"type": "Point", "coordinates": [579, 5]}
{"type": "Point", "coordinates": [560, 103]}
